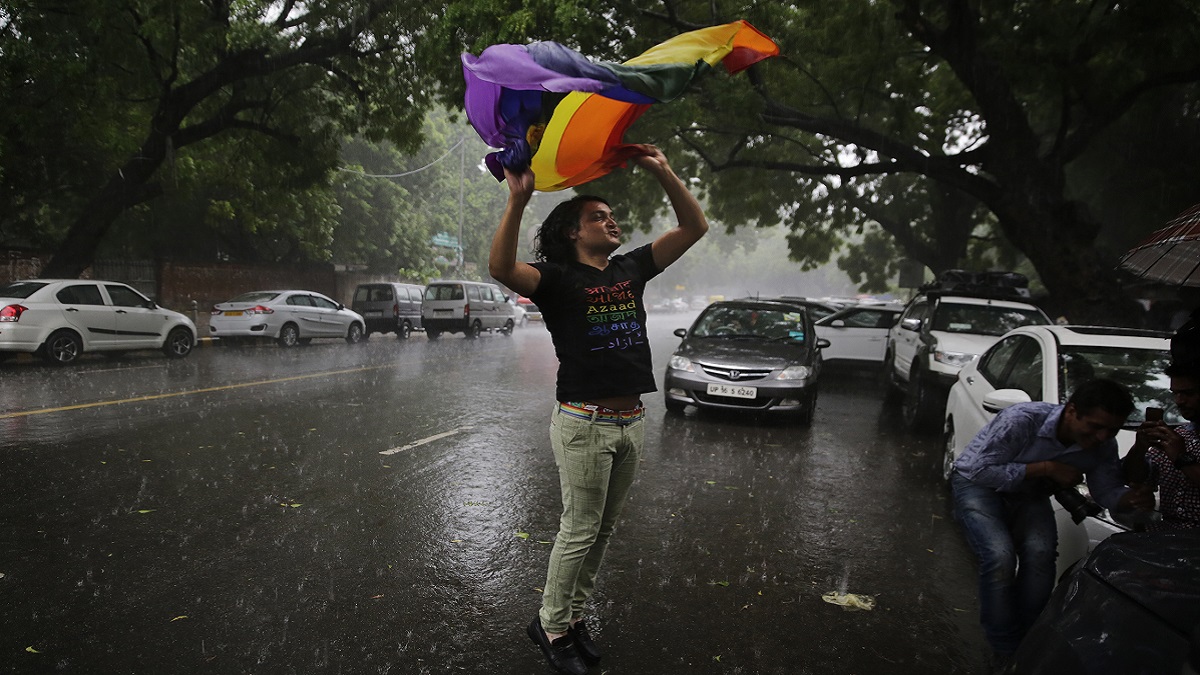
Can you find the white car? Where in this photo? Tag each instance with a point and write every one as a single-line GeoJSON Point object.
{"type": "Point", "coordinates": [288, 317]}
{"type": "Point", "coordinates": [1046, 363]}
{"type": "Point", "coordinates": [939, 333]}
{"type": "Point", "coordinates": [857, 334]}
{"type": "Point", "coordinates": [60, 319]}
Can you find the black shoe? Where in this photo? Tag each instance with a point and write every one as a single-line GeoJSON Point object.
{"type": "Point", "coordinates": [583, 642]}
{"type": "Point", "coordinates": [561, 653]}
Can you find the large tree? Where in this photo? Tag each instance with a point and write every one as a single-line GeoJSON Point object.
{"type": "Point", "coordinates": [110, 103]}
{"type": "Point", "coordinates": [983, 116]}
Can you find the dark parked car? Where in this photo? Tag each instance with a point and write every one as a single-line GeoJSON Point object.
{"type": "Point", "coordinates": [1132, 606]}
{"type": "Point", "coordinates": [389, 307]}
{"type": "Point", "coordinates": [752, 355]}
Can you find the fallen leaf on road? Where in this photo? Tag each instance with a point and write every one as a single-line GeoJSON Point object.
{"type": "Point", "coordinates": [181, 616]}
{"type": "Point", "coordinates": [523, 535]}
{"type": "Point", "coordinates": [146, 511]}
{"type": "Point", "coordinates": [31, 650]}
{"type": "Point", "coordinates": [851, 601]}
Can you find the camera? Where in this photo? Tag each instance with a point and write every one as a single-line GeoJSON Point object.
{"type": "Point", "coordinates": [1074, 503]}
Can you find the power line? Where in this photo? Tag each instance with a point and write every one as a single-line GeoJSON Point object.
{"type": "Point", "coordinates": [406, 173]}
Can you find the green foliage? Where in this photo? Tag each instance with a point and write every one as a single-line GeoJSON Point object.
{"type": "Point", "coordinates": [112, 103]}
{"type": "Point", "coordinates": [947, 124]}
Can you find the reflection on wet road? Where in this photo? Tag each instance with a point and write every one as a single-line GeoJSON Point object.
{"type": "Point", "coordinates": [388, 509]}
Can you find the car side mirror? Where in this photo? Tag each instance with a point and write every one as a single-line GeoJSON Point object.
{"type": "Point", "coordinates": [837, 323]}
{"type": "Point", "coordinates": [680, 332]}
{"type": "Point", "coordinates": [822, 343]}
{"type": "Point", "coordinates": [1002, 398]}
{"type": "Point", "coordinates": [911, 324]}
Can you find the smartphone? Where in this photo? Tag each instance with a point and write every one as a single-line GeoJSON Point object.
{"type": "Point", "coordinates": [1154, 414]}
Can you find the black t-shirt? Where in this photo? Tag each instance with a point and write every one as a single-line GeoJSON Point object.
{"type": "Point", "coordinates": [598, 323]}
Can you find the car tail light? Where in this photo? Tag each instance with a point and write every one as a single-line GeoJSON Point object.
{"type": "Point", "coordinates": [259, 309]}
{"type": "Point", "coordinates": [12, 313]}
{"type": "Point", "coordinates": [215, 311]}
{"type": "Point", "coordinates": [395, 310]}
{"type": "Point", "coordinates": [467, 310]}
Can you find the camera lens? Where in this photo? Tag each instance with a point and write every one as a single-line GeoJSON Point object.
{"type": "Point", "coordinates": [1076, 504]}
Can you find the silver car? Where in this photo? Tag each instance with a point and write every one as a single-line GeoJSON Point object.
{"type": "Point", "coordinates": [288, 317]}
{"type": "Point", "coordinates": [747, 355]}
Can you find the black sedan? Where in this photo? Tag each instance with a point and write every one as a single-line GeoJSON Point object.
{"type": "Point", "coordinates": [750, 355]}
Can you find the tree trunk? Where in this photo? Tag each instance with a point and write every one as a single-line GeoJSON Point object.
{"type": "Point", "coordinates": [129, 186]}
{"type": "Point", "coordinates": [1059, 241]}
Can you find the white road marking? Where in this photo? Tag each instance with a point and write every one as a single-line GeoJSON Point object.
{"type": "Point", "coordinates": [427, 439]}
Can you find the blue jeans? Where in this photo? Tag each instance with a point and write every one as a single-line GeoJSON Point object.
{"type": "Point", "coordinates": [597, 462]}
{"type": "Point", "coordinates": [1015, 538]}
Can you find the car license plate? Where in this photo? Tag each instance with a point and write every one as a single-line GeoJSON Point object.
{"type": "Point", "coordinates": [733, 390]}
{"type": "Point", "coordinates": [234, 313]}
{"type": "Point", "coordinates": [443, 311]}
{"type": "Point", "coordinates": [374, 312]}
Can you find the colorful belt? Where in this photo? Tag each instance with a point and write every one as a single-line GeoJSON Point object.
{"type": "Point", "coordinates": [596, 413]}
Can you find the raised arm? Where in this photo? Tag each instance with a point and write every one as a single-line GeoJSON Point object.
{"type": "Point", "coordinates": [691, 223]}
{"type": "Point", "coordinates": [502, 260]}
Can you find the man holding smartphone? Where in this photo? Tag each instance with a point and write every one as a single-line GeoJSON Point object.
{"type": "Point", "coordinates": [1168, 458]}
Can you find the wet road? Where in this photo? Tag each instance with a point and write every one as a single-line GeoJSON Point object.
{"type": "Point", "coordinates": [388, 509]}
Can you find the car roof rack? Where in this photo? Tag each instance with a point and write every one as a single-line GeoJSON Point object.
{"type": "Point", "coordinates": [992, 285]}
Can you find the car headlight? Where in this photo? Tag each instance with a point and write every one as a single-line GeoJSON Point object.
{"type": "Point", "coordinates": [680, 363]}
{"type": "Point", "coordinates": [795, 373]}
{"type": "Point", "coordinates": [956, 359]}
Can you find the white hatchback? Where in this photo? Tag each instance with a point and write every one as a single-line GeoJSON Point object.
{"type": "Point", "coordinates": [1046, 363]}
{"type": "Point", "coordinates": [288, 317]}
{"type": "Point", "coordinates": [60, 319]}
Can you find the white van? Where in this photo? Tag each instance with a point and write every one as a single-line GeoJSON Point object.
{"type": "Point", "coordinates": [467, 307]}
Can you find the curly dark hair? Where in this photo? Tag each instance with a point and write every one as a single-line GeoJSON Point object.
{"type": "Point", "coordinates": [553, 240]}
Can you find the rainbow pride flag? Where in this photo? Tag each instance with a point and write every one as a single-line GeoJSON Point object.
{"type": "Point", "coordinates": [550, 108]}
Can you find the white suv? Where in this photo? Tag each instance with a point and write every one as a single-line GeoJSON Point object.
{"type": "Point", "coordinates": [942, 330]}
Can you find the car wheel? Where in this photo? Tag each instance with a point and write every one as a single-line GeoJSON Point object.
{"type": "Point", "coordinates": [921, 408]}
{"type": "Point", "coordinates": [355, 334]}
{"type": "Point", "coordinates": [810, 410]}
{"type": "Point", "coordinates": [508, 328]}
{"type": "Point", "coordinates": [432, 334]}
{"type": "Point", "coordinates": [948, 454]}
{"type": "Point", "coordinates": [404, 331]}
{"type": "Point", "coordinates": [673, 406]}
{"type": "Point", "coordinates": [178, 343]}
{"type": "Point", "coordinates": [62, 347]}
{"type": "Point", "coordinates": [289, 335]}
{"type": "Point", "coordinates": [475, 330]}
{"type": "Point", "coordinates": [4, 356]}
{"type": "Point", "coordinates": [893, 388]}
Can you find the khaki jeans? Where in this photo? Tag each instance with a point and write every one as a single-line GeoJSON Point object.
{"type": "Point", "coordinates": [597, 462]}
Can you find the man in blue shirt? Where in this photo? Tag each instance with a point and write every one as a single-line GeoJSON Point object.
{"type": "Point", "coordinates": [1002, 485]}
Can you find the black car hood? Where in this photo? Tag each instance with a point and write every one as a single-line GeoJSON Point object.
{"type": "Point", "coordinates": [749, 352]}
{"type": "Point", "coordinates": [1158, 570]}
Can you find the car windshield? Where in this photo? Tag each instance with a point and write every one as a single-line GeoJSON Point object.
{"type": "Point", "coordinates": [750, 322]}
{"type": "Point", "coordinates": [256, 296]}
{"type": "Point", "coordinates": [1140, 370]}
{"type": "Point", "coordinates": [984, 319]}
{"type": "Point", "coordinates": [20, 289]}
